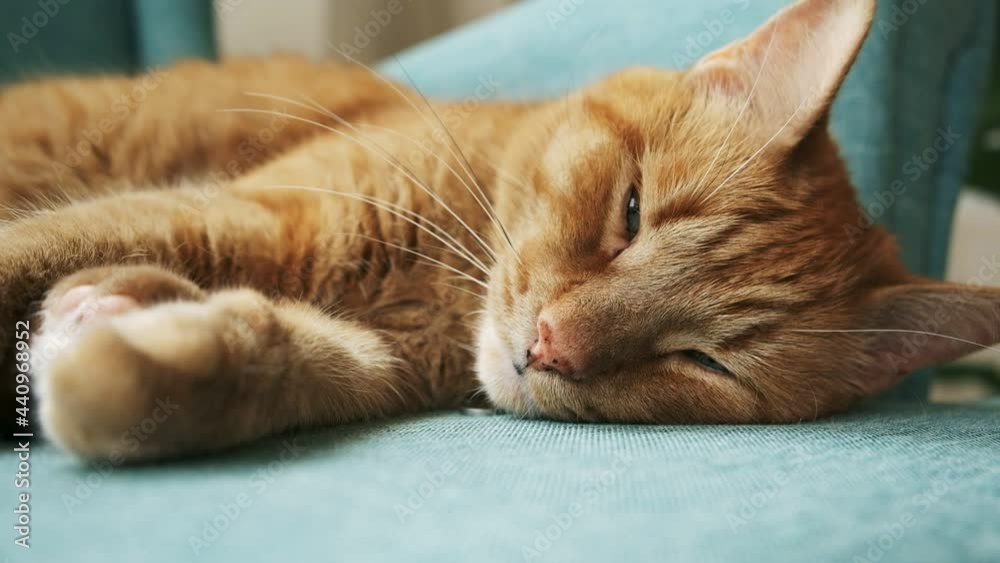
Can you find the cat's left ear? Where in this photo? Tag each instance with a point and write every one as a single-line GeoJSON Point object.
{"type": "Point", "coordinates": [925, 323]}
{"type": "Point", "coordinates": [784, 76]}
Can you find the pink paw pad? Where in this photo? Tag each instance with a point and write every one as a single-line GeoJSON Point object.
{"type": "Point", "coordinates": [82, 302]}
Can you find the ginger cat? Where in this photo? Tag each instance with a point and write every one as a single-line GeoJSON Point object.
{"type": "Point", "coordinates": [658, 247]}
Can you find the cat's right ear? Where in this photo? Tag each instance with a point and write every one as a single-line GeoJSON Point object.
{"type": "Point", "coordinates": [784, 76]}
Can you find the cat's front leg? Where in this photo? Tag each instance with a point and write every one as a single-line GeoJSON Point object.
{"type": "Point", "coordinates": [149, 367]}
{"type": "Point", "coordinates": [224, 242]}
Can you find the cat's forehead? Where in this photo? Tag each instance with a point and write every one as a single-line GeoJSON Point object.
{"type": "Point", "coordinates": [652, 113]}
{"type": "Point", "coordinates": [574, 145]}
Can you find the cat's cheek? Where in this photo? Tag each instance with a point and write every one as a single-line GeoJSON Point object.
{"type": "Point", "coordinates": [495, 370]}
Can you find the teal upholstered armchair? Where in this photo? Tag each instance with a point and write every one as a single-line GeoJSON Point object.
{"type": "Point", "coordinates": [898, 480]}
{"type": "Point", "coordinates": [58, 36]}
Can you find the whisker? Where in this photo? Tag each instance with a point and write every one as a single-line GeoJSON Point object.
{"type": "Point", "coordinates": [491, 215]}
{"type": "Point", "coordinates": [739, 116]}
{"type": "Point", "coordinates": [760, 150]}
{"type": "Point", "coordinates": [467, 315]}
{"type": "Point", "coordinates": [469, 255]}
{"type": "Point", "coordinates": [461, 345]}
{"type": "Point", "coordinates": [388, 206]}
{"type": "Point", "coordinates": [774, 396]}
{"type": "Point", "coordinates": [433, 261]}
{"type": "Point", "coordinates": [453, 147]}
{"type": "Point", "coordinates": [385, 155]}
{"type": "Point", "coordinates": [383, 241]}
{"type": "Point", "coordinates": [460, 251]}
{"type": "Point", "coordinates": [481, 391]}
{"type": "Point", "coordinates": [901, 331]}
{"type": "Point", "coordinates": [455, 287]}
{"type": "Point", "coordinates": [316, 106]}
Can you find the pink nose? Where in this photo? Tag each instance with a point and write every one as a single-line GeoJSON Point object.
{"type": "Point", "coordinates": [545, 354]}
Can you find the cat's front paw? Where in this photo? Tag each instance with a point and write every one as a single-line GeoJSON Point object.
{"type": "Point", "coordinates": [82, 364]}
{"type": "Point", "coordinates": [90, 297]}
{"type": "Point", "coordinates": [141, 379]}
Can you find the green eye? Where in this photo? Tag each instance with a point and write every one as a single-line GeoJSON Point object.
{"type": "Point", "coordinates": [632, 214]}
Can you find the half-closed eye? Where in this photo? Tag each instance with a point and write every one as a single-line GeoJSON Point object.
{"type": "Point", "coordinates": [705, 361]}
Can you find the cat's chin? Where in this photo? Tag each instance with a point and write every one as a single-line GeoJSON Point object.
{"type": "Point", "coordinates": [495, 370]}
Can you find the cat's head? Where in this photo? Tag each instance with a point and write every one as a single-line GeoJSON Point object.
{"type": "Point", "coordinates": [680, 252]}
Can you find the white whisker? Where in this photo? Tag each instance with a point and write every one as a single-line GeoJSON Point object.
{"type": "Point", "coordinates": [405, 249]}
{"type": "Point", "coordinates": [452, 147]}
{"type": "Point", "coordinates": [385, 155]}
{"type": "Point", "coordinates": [434, 261]}
{"type": "Point", "coordinates": [489, 214]}
{"type": "Point", "coordinates": [467, 315]}
{"type": "Point", "coordinates": [760, 150]}
{"type": "Point", "coordinates": [739, 116]}
{"type": "Point", "coordinates": [391, 160]}
{"type": "Point", "coordinates": [901, 331]}
{"type": "Point", "coordinates": [462, 289]}
{"type": "Point", "coordinates": [388, 206]}
{"type": "Point", "coordinates": [316, 106]}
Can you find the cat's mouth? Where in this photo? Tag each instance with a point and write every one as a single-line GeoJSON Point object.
{"type": "Point", "coordinates": [501, 377]}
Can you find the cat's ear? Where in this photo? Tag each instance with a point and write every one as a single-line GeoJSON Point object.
{"type": "Point", "coordinates": [785, 75]}
{"type": "Point", "coordinates": [925, 323]}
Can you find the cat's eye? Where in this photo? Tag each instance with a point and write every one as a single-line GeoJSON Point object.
{"type": "Point", "coordinates": [632, 215]}
{"type": "Point", "coordinates": [706, 361]}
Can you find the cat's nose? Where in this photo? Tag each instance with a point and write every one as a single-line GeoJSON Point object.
{"type": "Point", "coordinates": [545, 354]}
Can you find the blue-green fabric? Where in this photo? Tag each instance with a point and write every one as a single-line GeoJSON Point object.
{"type": "Point", "coordinates": [74, 36]}
{"type": "Point", "coordinates": [922, 481]}
{"type": "Point", "coordinates": [921, 74]}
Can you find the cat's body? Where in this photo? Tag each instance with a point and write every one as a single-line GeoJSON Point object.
{"type": "Point", "coordinates": [337, 254]}
{"type": "Point", "coordinates": [388, 268]}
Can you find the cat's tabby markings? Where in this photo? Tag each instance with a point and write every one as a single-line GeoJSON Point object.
{"type": "Point", "coordinates": [659, 247]}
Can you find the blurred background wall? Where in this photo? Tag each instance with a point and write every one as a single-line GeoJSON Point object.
{"type": "Point", "coordinates": [318, 28]}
